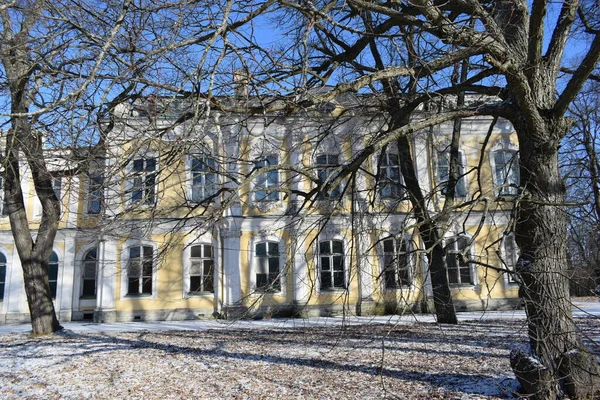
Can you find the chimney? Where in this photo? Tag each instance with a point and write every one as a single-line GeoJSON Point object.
{"type": "Point", "coordinates": [240, 82]}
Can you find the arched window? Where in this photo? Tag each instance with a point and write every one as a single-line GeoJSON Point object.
{"type": "Point", "coordinates": [201, 269]}
{"type": "Point", "coordinates": [331, 260]}
{"type": "Point", "coordinates": [53, 273]}
{"type": "Point", "coordinates": [267, 267]}
{"type": "Point", "coordinates": [396, 263]}
{"type": "Point", "coordinates": [2, 275]}
{"type": "Point", "coordinates": [89, 273]}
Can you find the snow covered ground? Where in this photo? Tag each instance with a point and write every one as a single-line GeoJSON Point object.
{"type": "Point", "coordinates": [405, 357]}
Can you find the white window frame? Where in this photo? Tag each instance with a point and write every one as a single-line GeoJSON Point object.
{"type": "Point", "coordinates": [254, 262]}
{"type": "Point", "coordinates": [509, 261]}
{"type": "Point", "coordinates": [94, 193]}
{"type": "Point", "coordinates": [189, 266]}
{"type": "Point", "coordinates": [125, 251]}
{"type": "Point", "coordinates": [57, 279]}
{"type": "Point", "coordinates": [462, 166]}
{"type": "Point", "coordinates": [205, 159]}
{"type": "Point", "coordinates": [330, 255]}
{"type": "Point", "coordinates": [261, 261]}
{"type": "Point", "coordinates": [3, 206]}
{"type": "Point", "coordinates": [84, 269]}
{"type": "Point", "coordinates": [264, 184]}
{"type": "Point", "coordinates": [385, 168]}
{"type": "Point", "coordinates": [455, 252]}
{"type": "Point", "coordinates": [324, 171]}
{"type": "Point", "coordinates": [132, 176]}
{"type": "Point", "coordinates": [502, 184]}
{"type": "Point", "coordinates": [407, 253]}
{"type": "Point", "coordinates": [3, 277]}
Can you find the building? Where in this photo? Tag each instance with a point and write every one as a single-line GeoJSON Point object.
{"type": "Point", "coordinates": [214, 216]}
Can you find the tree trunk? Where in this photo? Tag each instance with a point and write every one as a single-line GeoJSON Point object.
{"type": "Point", "coordinates": [560, 360]}
{"type": "Point", "coordinates": [442, 297]}
{"type": "Point", "coordinates": [39, 297]}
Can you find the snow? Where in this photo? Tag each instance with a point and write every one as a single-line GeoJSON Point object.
{"type": "Point", "coordinates": [358, 357]}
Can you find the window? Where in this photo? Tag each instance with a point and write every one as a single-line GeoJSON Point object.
{"type": "Point", "coordinates": [3, 207]}
{"type": "Point", "coordinates": [204, 177]}
{"type": "Point", "coordinates": [331, 255]}
{"type": "Point", "coordinates": [2, 275]}
{"type": "Point", "coordinates": [139, 270]}
{"type": "Point", "coordinates": [510, 256]}
{"type": "Point", "coordinates": [95, 195]}
{"type": "Point", "coordinates": [506, 175]}
{"type": "Point", "coordinates": [202, 269]}
{"type": "Point", "coordinates": [390, 177]}
{"type": "Point", "coordinates": [88, 273]}
{"type": "Point", "coordinates": [53, 273]}
{"type": "Point", "coordinates": [396, 264]}
{"type": "Point", "coordinates": [458, 254]}
{"type": "Point", "coordinates": [266, 183]}
{"type": "Point", "coordinates": [57, 186]}
{"type": "Point", "coordinates": [326, 164]}
{"type": "Point", "coordinates": [144, 181]}
{"type": "Point", "coordinates": [267, 267]}
{"type": "Point", "coordinates": [460, 190]}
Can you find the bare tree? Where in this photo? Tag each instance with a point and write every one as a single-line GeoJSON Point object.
{"type": "Point", "coordinates": [505, 41]}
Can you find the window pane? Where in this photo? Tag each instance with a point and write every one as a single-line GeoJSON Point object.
{"type": "Point", "coordinates": [196, 251]}
{"type": "Point", "coordinates": [325, 265]}
{"type": "Point", "coordinates": [465, 274]}
{"type": "Point", "coordinates": [324, 247]}
{"type": "Point", "coordinates": [89, 288]}
{"type": "Point", "coordinates": [195, 283]}
{"type": "Point", "coordinates": [148, 252]}
{"type": "Point", "coordinates": [273, 249]}
{"type": "Point", "coordinates": [325, 279]}
{"type": "Point", "coordinates": [53, 271]}
{"type": "Point", "coordinates": [53, 289]}
{"type": "Point", "coordinates": [338, 263]}
{"type": "Point", "coordinates": [196, 269]}
{"type": "Point", "coordinates": [133, 286]}
{"type": "Point", "coordinates": [261, 249]}
{"type": "Point", "coordinates": [150, 164]}
{"type": "Point", "coordinates": [147, 286]}
{"type": "Point", "coordinates": [338, 247]}
{"type": "Point", "coordinates": [138, 165]}
{"type": "Point", "coordinates": [388, 246]}
{"type": "Point", "coordinates": [134, 252]}
{"type": "Point", "coordinates": [261, 280]}
{"type": "Point", "coordinates": [338, 279]}
{"type": "Point", "coordinates": [208, 251]}
{"type": "Point", "coordinates": [273, 265]}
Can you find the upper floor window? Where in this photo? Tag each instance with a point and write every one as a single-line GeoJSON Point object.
{"type": "Point", "coordinates": [510, 257]}
{"type": "Point", "coordinates": [53, 273]}
{"type": "Point", "coordinates": [2, 275]}
{"type": "Point", "coordinates": [89, 273]}
{"type": "Point", "coordinates": [267, 267]}
{"type": "Point", "coordinates": [331, 263]}
{"type": "Point", "coordinates": [506, 174]}
{"type": "Point", "coordinates": [443, 164]}
{"type": "Point", "coordinates": [204, 177]}
{"type": "Point", "coordinates": [268, 182]}
{"type": "Point", "coordinates": [95, 194]}
{"type": "Point", "coordinates": [140, 268]}
{"type": "Point", "coordinates": [326, 164]}
{"type": "Point", "coordinates": [202, 273]}
{"type": "Point", "coordinates": [143, 188]}
{"type": "Point", "coordinates": [458, 255]}
{"type": "Point", "coordinates": [390, 183]}
{"type": "Point", "coordinates": [396, 264]}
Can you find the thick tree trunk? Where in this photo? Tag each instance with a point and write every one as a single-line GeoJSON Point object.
{"type": "Point", "coordinates": [39, 297]}
{"type": "Point", "coordinates": [560, 361]}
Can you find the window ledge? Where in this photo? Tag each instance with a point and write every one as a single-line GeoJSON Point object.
{"type": "Point", "coordinates": [87, 297]}
{"type": "Point", "coordinates": [199, 294]}
{"type": "Point", "coordinates": [139, 296]}
{"type": "Point", "coordinates": [333, 290]}
{"type": "Point", "coordinates": [460, 286]}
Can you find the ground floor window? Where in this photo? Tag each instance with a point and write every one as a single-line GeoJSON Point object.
{"type": "Point", "coordinates": [202, 269]}
{"type": "Point", "coordinates": [331, 260]}
{"type": "Point", "coordinates": [89, 273]}
{"type": "Point", "coordinates": [458, 254]}
{"type": "Point", "coordinates": [2, 275]}
{"type": "Point", "coordinates": [396, 264]}
{"type": "Point", "coordinates": [53, 273]}
{"type": "Point", "coordinates": [267, 267]}
{"type": "Point", "coordinates": [140, 270]}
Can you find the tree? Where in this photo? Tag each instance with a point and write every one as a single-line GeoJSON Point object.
{"type": "Point", "coordinates": [65, 67]}
{"type": "Point", "coordinates": [517, 55]}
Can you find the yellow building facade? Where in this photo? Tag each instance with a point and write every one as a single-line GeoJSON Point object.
{"type": "Point", "coordinates": [238, 215]}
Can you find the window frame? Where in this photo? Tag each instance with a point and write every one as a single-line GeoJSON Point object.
{"type": "Point", "coordinates": [87, 260]}
{"type": "Point", "coordinates": [3, 203]}
{"type": "Point", "coordinates": [264, 183]}
{"type": "Point", "coordinates": [509, 261]}
{"type": "Point", "coordinates": [94, 193]}
{"type": "Point", "coordinates": [201, 174]}
{"type": "Point", "coordinates": [329, 256]}
{"type": "Point", "coordinates": [385, 168]}
{"type": "Point", "coordinates": [53, 280]}
{"type": "Point", "coordinates": [462, 181]}
{"type": "Point", "coordinates": [455, 252]}
{"type": "Point", "coordinates": [504, 186]}
{"type": "Point", "coordinates": [201, 260]}
{"type": "Point", "coordinates": [125, 263]}
{"type": "Point", "coordinates": [395, 255]}
{"type": "Point", "coordinates": [266, 259]}
{"type": "Point", "coordinates": [148, 192]}
{"type": "Point", "coordinates": [324, 171]}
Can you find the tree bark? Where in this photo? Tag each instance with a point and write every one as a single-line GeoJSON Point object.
{"type": "Point", "coordinates": [541, 231]}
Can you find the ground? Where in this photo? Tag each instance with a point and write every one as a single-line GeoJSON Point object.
{"type": "Point", "coordinates": [407, 360]}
